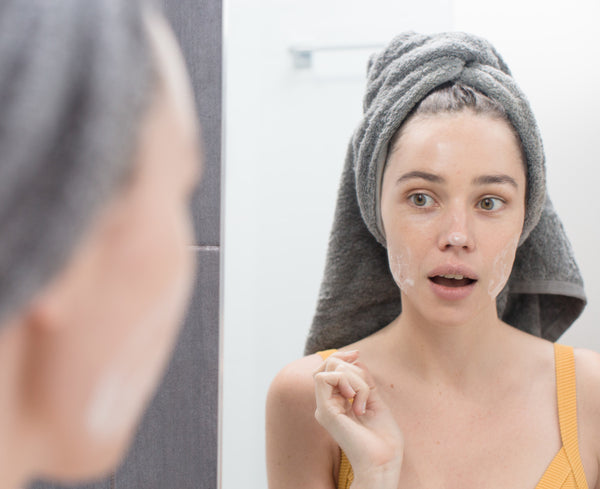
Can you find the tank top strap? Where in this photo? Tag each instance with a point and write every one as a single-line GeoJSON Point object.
{"type": "Point", "coordinates": [325, 354]}
{"type": "Point", "coordinates": [567, 409]}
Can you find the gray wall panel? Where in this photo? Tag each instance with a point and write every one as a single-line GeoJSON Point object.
{"type": "Point", "coordinates": [198, 27]}
{"type": "Point", "coordinates": [176, 446]}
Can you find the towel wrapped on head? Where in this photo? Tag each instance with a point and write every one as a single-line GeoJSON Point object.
{"type": "Point", "coordinates": [358, 296]}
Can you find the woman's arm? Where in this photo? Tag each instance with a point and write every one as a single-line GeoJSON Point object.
{"type": "Point", "coordinates": [300, 453]}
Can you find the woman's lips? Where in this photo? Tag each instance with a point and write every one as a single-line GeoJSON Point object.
{"type": "Point", "coordinates": [452, 282]}
{"type": "Point", "coordinates": [452, 289]}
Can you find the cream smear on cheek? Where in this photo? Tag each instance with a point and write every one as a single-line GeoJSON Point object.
{"type": "Point", "coordinates": [502, 267]}
{"type": "Point", "coordinates": [400, 266]}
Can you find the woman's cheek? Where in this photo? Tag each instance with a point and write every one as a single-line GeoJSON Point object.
{"type": "Point", "coordinates": [161, 276]}
{"type": "Point", "coordinates": [401, 267]}
{"type": "Point", "coordinates": [501, 267]}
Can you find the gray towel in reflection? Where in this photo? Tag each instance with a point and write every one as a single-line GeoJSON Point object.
{"type": "Point", "coordinates": [358, 296]}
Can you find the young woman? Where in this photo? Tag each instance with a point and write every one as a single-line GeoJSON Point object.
{"type": "Point", "coordinates": [98, 159]}
{"type": "Point", "coordinates": [446, 172]}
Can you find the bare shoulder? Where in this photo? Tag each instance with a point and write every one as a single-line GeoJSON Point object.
{"type": "Point", "coordinates": [300, 453]}
{"type": "Point", "coordinates": [295, 381]}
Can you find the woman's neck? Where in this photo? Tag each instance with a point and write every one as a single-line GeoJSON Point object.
{"type": "Point", "coordinates": [459, 356]}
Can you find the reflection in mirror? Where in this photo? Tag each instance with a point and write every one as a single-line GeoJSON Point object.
{"type": "Point", "coordinates": [295, 76]}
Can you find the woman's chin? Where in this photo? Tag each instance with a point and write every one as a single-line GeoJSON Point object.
{"type": "Point", "coordinates": [450, 313]}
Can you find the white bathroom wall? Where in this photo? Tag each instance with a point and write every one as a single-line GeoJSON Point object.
{"type": "Point", "coordinates": [286, 131]}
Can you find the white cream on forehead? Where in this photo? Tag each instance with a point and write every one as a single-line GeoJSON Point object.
{"type": "Point", "coordinates": [501, 267]}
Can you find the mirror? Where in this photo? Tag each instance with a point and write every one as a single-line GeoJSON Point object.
{"type": "Point", "coordinates": [295, 73]}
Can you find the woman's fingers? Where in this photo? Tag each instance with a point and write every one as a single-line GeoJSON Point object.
{"type": "Point", "coordinates": [330, 384]}
{"type": "Point", "coordinates": [359, 406]}
{"type": "Point", "coordinates": [336, 359]}
{"type": "Point", "coordinates": [335, 389]}
{"type": "Point", "coordinates": [348, 383]}
{"type": "Point", "coordinates": [342, 362]}
{"type": "Point", "coordinates": [352, 382]}
{"type": "Point", "coordinates": [355, 384]}
{"type": "Point", "coordinates": [345, 383]}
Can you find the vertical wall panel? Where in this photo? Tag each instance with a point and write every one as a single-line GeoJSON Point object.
{"type": "Point", "coordinates": [176, 445]}
{"type": "Point", "coordinates": [198, 26]}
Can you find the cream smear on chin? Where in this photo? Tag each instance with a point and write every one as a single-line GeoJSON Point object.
{"type": "Point", "coordinates": [502, 267]}
{"type": "Point", "coordinates": [400, 268]}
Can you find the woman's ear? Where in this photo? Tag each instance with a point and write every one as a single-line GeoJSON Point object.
{"type": "Point", "coordinates": [50, 308]}
{"type": "Point", "coordinates": [45, 313]}
{"type": "Point", "coordinates": [64, 295]}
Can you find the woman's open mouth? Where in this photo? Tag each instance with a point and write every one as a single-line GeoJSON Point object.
{"type": "Point", "coordinates": [451, 283]}
{"type": "Point", "coordinates": [452, 280]}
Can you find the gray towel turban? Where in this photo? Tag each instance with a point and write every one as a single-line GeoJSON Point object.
{"type": "Point", "coordinates": [358, 296]}
{"type": "Point", "coordinates": [75, 77]}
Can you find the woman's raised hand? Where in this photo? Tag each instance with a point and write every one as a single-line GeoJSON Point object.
{"type": "Point", "coordinates": [351, 410]}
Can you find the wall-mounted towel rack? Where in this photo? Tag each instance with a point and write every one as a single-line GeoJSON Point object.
{"type": "Point", "coordinates": [302, 56]}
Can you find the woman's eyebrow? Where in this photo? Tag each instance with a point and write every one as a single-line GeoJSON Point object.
{"type": "Point", "coordinates": [491, 179]}
{"type": "Point", "coordinates": [481, 180]}
{"type": "Point", "coordinates": [423, 175]}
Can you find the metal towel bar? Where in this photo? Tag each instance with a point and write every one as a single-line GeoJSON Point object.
{"type": "Point", "coordinates": [302, 55]}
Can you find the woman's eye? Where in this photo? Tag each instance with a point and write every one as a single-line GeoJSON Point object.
{"type": "Point", "coordinates": [491, 204]}
{"type": "Point", "coordinates": [421, 200]}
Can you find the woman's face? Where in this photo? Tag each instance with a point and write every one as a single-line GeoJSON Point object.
{"type": "Point", "coordinates": [103, 330]}
{"type": "Point", "coordinates": [452, 205]}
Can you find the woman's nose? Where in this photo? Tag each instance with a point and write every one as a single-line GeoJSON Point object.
{"type": "Point", "coordinates": [456, 232]}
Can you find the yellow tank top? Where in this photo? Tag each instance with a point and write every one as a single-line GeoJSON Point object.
{"type": "Point", "coordinates": [566, 470]}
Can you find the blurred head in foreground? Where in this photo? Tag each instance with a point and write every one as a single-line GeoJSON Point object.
{"type": "Point", "coordinates": [98, 159]}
